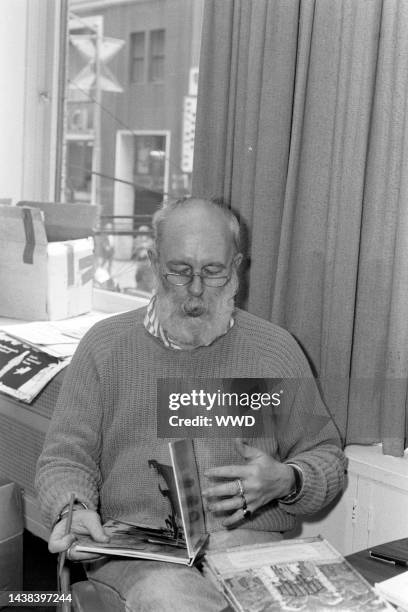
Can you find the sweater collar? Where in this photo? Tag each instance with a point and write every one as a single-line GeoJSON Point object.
{"type": "Point", "coordinates": [154, 327]}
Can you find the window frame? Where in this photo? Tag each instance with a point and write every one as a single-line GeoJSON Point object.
{"type": "Point", "coordinates": [149, 57]}
{"type": "Point", "coordinates": [156, 56]}
{"type": "Point", "coordinates": [123, 193]}
{"type": "Point", "coordinates": [132, 58]}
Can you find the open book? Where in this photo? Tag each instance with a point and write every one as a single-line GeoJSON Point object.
{"type": "Point", "coordinates": [300, 574]}
{"type": "Point", "coordinates": [184, 535]}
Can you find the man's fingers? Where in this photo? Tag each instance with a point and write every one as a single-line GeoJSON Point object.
{"type": "Point", "coordinates": [225, 505]}
{"type": "Point", "coordinates": [96, 530]}
{"type": "Point", "coordinates": [228, 471]}
{"type": "Point", "coordinates": [88, 522]}
{"type": "Point", "coordinates": [84, 522]}
{"type": "Point", "coordinates": [58, 544]}
{"type": "Point", "coordinates": [226, 489]}
{"type": "Point", "coordinates": [233, 519]}
{"type": "Point", "coordinates": [82, 556]}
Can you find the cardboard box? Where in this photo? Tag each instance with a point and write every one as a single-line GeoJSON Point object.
{"type": "Point", "coordinates": [11, 536]}
{"type": "Point", "coordinates": [66, 221]}
{"type": "Point", "coordinates": [46, 262]}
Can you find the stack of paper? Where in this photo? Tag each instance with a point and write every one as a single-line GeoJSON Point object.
{"type": "Point", "coordinates": [56, 338]}
{"type": "Point", "coordinates": [31, 354]}
{"type": "Point", "coordinates": [395, 590]}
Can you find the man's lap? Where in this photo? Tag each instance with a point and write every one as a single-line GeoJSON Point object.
{"type": "Point", "coordinates": [153, 586]}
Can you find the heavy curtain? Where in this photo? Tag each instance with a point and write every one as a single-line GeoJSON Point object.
{"type": "Point", "coordinates": [302, 127]}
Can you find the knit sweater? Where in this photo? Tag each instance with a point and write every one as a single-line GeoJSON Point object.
{"type": "Point", "coordinates": [103, 431]}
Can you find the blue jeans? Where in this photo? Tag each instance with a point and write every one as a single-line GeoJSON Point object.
{"type": "Point", "coordinates": [153, 586]}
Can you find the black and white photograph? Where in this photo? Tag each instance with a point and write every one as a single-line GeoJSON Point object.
{"type": "Point", "coordinates": [203, 305]}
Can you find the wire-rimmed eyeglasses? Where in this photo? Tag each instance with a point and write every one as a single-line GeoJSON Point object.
{"type": "Point", "coordinates": [182, 279]}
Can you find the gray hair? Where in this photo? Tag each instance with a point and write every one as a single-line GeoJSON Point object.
{"type": "Point", "coordinates": [160, 217]}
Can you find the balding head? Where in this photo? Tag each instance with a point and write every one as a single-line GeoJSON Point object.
{"type": "Point", "coordinates": [195, 212]}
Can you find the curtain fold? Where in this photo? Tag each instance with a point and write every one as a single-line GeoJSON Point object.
{"type": "Point", "coordinates": [302, 127]}
{"type": "Point", "coordinates": [380, 355]}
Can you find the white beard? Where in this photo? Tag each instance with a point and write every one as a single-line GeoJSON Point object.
{"type": "Point", "coordinates": [196, 321]}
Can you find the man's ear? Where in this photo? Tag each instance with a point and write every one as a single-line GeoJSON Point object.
{"type": "Point", "coordinates": [154, 261]}
{"type": "Point", "coordinates": [153, 257]}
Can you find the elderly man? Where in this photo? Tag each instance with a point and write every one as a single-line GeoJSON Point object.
{"type": "Point", "coordinates": [104, 428]}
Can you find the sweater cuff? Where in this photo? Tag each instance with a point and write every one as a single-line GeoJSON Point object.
{"type": "Point", "coordinates": [297, 491]}
{"type": "Point", "coordinates": [78, 505]}
{"type": "Point", "coordinates": [323, 478]}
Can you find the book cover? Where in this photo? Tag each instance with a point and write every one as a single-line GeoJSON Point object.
{"type": "Point", "coordinates": [300, 574]}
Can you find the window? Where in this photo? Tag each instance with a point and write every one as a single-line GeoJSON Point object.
{"type": "Point", "coordinates": [84, 120]}
{"type": "Point", "coordinates": [30, 96]}
{"type": "Point", "coordinates": [137, 57]}
{"type": "Point", "coordinates": [79, 174]}
{"type": "Point", "coordinates": [156, 67]}
{"type": "Point", "coordinates": [142, 163]}
{"type": "Point", "coordinates": [123, 148]}
{"type": "Point", "coordinates": [150, 155]}
{"type": "Point", "coordinates": [155, 40]}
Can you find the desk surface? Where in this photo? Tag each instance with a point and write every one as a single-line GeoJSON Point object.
{"type": "Point", "coordinates": [372, 569]}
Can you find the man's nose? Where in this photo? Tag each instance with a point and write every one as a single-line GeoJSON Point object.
{"type": "Point", "coordinates": [196, 287]}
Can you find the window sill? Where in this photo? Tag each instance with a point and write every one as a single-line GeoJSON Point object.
{"type": "Point", "coordinates": [111, 301]}
{"type": "Point", "coordinates": [369, 461]}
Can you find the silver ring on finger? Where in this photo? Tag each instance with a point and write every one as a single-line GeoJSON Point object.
{"type": "Point", "coordinates": [246, 513]}
{"type": "Point", "coordinates": [240, 487]}
{"type": "Point", "coordinates": [244, 503]}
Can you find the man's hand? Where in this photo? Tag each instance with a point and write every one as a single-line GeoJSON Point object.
{"type": "Point", "coordinates": [263, 479]}
{"type": "Point", "coordinates": [84, 522]}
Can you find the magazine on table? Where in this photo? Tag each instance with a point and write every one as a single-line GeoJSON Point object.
{"type": "Point", "coordinates": [24, 369]}
{"type": "Point", "coordinates": [184, 535]}
{"type": "Point", "coordinates": [301, 574]}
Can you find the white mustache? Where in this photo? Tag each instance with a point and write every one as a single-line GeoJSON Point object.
{"type": "Point", "coordinates": [194, 307]}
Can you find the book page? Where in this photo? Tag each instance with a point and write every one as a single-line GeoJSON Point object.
{"type": "Point", "coordinates": [132, 540]}
{"type": "Point", "coordinates": [189, 493]}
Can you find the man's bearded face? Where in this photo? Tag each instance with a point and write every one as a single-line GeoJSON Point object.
{"type": "Point", "coordinates": [196, 320]}
{"type": "Point", "coordinates": [196, 239]}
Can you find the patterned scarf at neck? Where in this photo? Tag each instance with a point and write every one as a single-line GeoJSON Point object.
{"type": "Point", "coordinates": [154, 327]}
